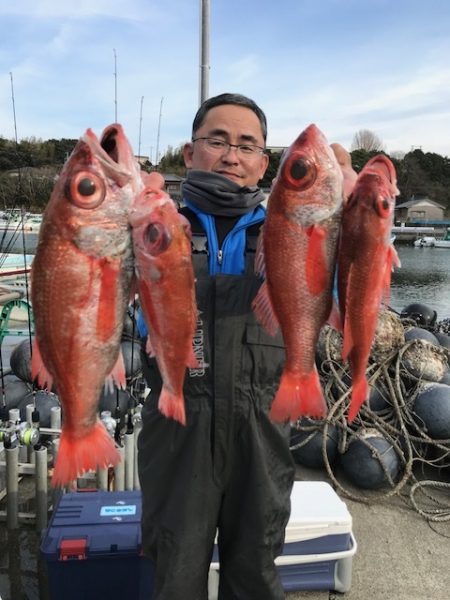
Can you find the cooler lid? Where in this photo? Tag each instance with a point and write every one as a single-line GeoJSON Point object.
{"type": "Point", "coordinates": [316, 510]}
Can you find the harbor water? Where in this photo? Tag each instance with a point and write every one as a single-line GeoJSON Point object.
{"type": "Point", "coordinates": [424, 276]}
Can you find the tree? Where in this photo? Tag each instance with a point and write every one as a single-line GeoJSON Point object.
{"type": "Point", "coordinates": [367, 140]}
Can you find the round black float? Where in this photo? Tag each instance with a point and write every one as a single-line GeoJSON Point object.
{"type": "Point", "coordinates": [443, 339]}
{"type": "Point", "coordinates": [432, 409]}
{"type": "Point", "coordinates": [20, 361]}
{"type": "Point", "coordinates": [131, 352]}
{"type": "Point", "coordinates": [422, 314]}
{"type": "Point", "coordinates": [417, 333]}
{"type": "Point", "coordinates": [310, 437]}
{"type": "Point", "coordinates": [15, 390]}
{"type": "Point", "coordinates": [367, 460]}
{"type": "Point", "coordinates": [44, 402]}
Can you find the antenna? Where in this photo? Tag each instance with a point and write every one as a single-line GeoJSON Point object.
{"type": "Point", "coordinates": [140, 128]}
{"type": "Point", "coordinates": [14, 107]}
{"type": "Point", "coordinates": [159, 130]}
{"type": "Point", "coordinates": [204, 50]}
{"type": "Point", "coordinates": [115, 85]}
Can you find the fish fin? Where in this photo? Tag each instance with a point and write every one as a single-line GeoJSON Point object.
{"type": "Point", "coordinates": [360, 393]}
{"type": "Point", "coordinates": [39, 370]}
{"type": "Point", "coordinates": [335, 318]}
{"type": "Point", "coordinates": [298, 395]}
{"type": "Point", "coordinates": [391, 261]}
{"type": "Point", "coordinates": [192, 361]}
{"type": "Point", "coordinates": [117, 376]}
{"type": "Point", "coordinates": [106, 313]}
{"type": "Point", "coordinates": [260, 261]}
{"type": "Point", "coordinates": [172, 405]}
{"type": "Point", "coordinates": [317, 272]}
{"type": "Point", "coordinates": [77, 455]}
{"type": "Point", "coordinates": [149, 348]}
{"type": "Point", "coordinates": [263, 309]}
{"type": "Point", "coordinates": [347, 343]}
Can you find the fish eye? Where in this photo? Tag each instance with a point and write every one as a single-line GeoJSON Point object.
{"type": "Point", "coordinates": [382, 206]}
{"type": "Point", "coordinates": [157, 238]}
{"type": "Point", "coordinates": [300, 172]}
{"type": "Point", "coordinates": [86, 190]}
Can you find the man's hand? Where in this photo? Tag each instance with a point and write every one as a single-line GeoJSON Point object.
{"type": "Point", "coordinates": [345, 161]}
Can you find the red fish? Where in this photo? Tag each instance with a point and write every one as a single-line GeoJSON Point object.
{"type": "Point", "coordinates": [80, 284]}
{"type": "Point", "coordinates": [365, 263]}
{"type": "Point", "coordinates": [166, 287]}
{"type": "Point", "coordinates": [299, 248]}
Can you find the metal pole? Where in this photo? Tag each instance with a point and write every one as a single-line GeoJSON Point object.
{"type": "Point", "coordinates": [204, 50]}
{"type": "Point", "coordinates": [119, 473]}
{"type": "Point", "coordinates": [137, 430]}
{"type": "Point", "coordinates": [41, 487]}
{"type": "Point", "coordinates": [128, 440]}
{"type": "Point", "coordinates": [140, 127]}
{"type": "Point", "coordinates": [115, 85]}
{"type": "Point", "coordinates": [55, 417]}
{"type": "Point", "coordinates": [12, 486]}
{"type": "Point", "coordinates": [159, 130]}
{"type": "Point", "coordinates": [102, 479]}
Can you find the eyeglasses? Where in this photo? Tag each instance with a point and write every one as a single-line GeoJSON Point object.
{"type": "Point", "coordinates": [215, 146]}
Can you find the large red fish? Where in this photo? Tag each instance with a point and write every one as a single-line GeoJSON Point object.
{"type": "Point", "coordinates": [366, 259]}
{"type": "Point", "coordinates": [299, 248]}
{"type": "Point", "coordinates": [166, 287]}
{"type": "Point", "coordinates": [80, 286]}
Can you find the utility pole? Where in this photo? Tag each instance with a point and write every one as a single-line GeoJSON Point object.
{"type": "Point", "coordinates": [204, 50]}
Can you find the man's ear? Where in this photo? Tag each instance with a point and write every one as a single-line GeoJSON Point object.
{"type": "Point", "coordinates": [188, 151]}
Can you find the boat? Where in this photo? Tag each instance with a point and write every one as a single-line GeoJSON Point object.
{"type": "Point", "coordinates": [443, 242]}
{"type": "Point", "coordinates": [426, 241]}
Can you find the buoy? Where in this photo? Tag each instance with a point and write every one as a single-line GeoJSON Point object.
{"type": "Point", "coordinates": [422, 314]}
{"type": "Point", "coordinates": [44, 401]}
{"type": "Point", "coordinates": [15, 390]}
{"type": "Point", "coordinates": [432, 410]}
{"type": "Point", "coordinates": [309, 437]}
{"type": "Point", "coordinates": [443, 339]}
{"type": "Point", "coordinates": [131, 352]}
{"type": "Point", "coordinates": [20, 361]}
{"type": "Point", "coordinates": [116, 402]}
{"type": "Point", "coordinates": [378, 397]}
{"type": "Point", "coordinates": [389, 334]}
{"type": "Point", "coordinates": [417, 333]}
{"type": "Point", "coordinates": [368, 458]}
{"type": "Point", "coordinates": [423, 360]}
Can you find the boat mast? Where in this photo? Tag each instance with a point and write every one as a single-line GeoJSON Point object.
{"type": "Point", "coordinates": [115, 85]}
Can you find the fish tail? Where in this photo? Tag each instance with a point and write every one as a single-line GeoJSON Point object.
{"type": "Point", "coordinates": [79, 455]}
{"type": "Point", "coordinates": [360, 393]}
{"type": "Point", "coordinates": [298, 395]}
{"type": "Point", "coordinates": [172, 405]}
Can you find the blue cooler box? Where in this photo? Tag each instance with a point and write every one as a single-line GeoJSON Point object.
{"type": "Point", "coordinates": [92, 548]}
{"type": "Point", "coordinates": [319, 543]}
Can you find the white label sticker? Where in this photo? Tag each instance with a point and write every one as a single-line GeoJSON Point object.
{"type": "Point", "coordinates": [114, 511]}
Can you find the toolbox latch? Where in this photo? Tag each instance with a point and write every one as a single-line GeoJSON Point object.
{"type": "Point", "coordinates": [72, 549]}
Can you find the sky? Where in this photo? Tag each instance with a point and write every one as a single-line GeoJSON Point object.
{"type": "Point", "coordinates": [345, 65]}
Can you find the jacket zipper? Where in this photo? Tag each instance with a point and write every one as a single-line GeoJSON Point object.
{"type": "Point", "coordinates": [219, 257]}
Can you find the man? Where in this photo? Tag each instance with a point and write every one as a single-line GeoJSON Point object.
{"type": "Point", "coordinates": [229, 469]}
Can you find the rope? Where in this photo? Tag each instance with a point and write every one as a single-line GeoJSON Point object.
{"type": "Point", "coordinates": [417, 452]}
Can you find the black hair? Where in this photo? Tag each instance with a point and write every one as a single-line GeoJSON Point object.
{"type": "Point", "coordinates": [236, 99]}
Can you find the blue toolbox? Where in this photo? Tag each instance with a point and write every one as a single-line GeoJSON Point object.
{"type": "Point", "coordinates": [92, 548]}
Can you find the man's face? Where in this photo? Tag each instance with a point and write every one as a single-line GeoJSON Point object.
{"type": "Point", "coordinates": [235, 125]}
